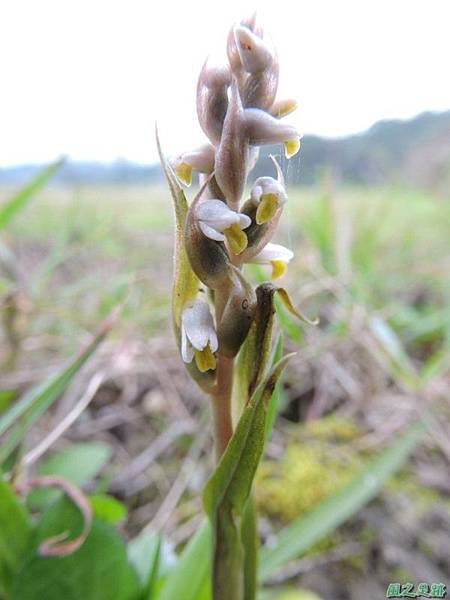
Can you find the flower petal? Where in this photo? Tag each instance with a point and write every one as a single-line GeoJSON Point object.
{"type": "Point", "coordinates": [216, 213]}
{"type": "Point", "coordinates": [198, 323]}
{"type": "Point", "coordinates": [187, 351]}
{"type": "Point", "coordinates": [272, 252]}
{"type": "Point", "coordinates": [210, 232]}
{"type": "Point", "coordinates": [262, 128]}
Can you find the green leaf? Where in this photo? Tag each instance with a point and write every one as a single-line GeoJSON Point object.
{"type": "Point", "coordinates": [250, 544]}
{"type": "Point", "coordinates": [12, 206]}
{"type": "Point", "coordinates": [231, 481]}
{"type": "Point", "coordinates": [185, 282]}
{"type": "Point", "coordinates": [99, 570]}
{"type": "Point", "coordinates": [144, 553]}
{"type": "Point", "coordinates": [6, 399]}
{"type": "Point", "coordinates": [15, 530]}
{"type": "Point", "coordinates": [78, 464]}
{"type": "Point", "coordinates": [305, 531]}
{"type": "Point", "coordinates": [34, 403]}
{"type": "Point", "coordinates": [190, 575]}
{"type": "Point", "coordinates": [108, 508]}
{"type": "Point", "coordinates": [274, 402]}
{"type": "Point", "coordinates": [400, 364]}
{"type": "Point", "coordinates": [228, 489]}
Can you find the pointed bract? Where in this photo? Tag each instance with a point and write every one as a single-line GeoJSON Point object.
{"type": "Point", "coordinates": [232, 153]}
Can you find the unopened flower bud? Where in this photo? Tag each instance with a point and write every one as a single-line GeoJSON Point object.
{"type": "Point", "coordinates": [254, 53]}
{"type": "Point", "coordinates": [262, 129]}
{"type": "Point", "coordinates": [200, 160]}
{"type": "Point", "coordinates": [232, 50]}
{"type": "Point", "coordinates": [212, 100]}
{"type": "Point", "coordinates": [198, 336]}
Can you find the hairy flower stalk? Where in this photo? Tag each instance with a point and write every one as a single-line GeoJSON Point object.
{"type": "Point", "coordinates": [223, 325]}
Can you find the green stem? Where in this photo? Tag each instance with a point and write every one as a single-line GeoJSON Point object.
{"type": "Point", "coordinates": [227, 573]}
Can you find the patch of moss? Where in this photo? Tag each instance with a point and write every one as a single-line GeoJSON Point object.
{"type": "Point", "coordinates": [309, 471]}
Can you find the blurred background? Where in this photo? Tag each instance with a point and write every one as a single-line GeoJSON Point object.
{"type": "Point", "coordinates": [368, 218]}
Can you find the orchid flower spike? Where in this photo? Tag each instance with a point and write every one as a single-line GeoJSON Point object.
{"type": "Point", "coordinates": [262, 128]}
{"type": "Point", "coordinates": [201, 160]}
{"type": "Point", "coordinates": [275, 255]}
{"type": "Point", "coordinates": [269, 195]}
{"type": "Point", "coordinates": [198, 335]}
{"type": "Point", "coordinates": [220, 223]}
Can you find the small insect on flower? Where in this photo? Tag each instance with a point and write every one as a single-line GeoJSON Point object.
{"type": "Point", "coordinates": [220, 223]}
{"type": "Point", "coordinates": [276, 255]}
{"type": "Point", "coordinates": [198, 335]}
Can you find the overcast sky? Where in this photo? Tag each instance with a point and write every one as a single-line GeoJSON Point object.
{"type": "Point", "coordinates": [89, 78]}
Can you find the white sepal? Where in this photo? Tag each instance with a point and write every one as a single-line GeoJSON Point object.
{"type": "Point", "coordinates": [272, 252]}
{"type": "Point", "coordinates": [214, 217]}
{"type": "Point", "coordinates": [197, 329]}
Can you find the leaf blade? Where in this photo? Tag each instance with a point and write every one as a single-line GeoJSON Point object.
{"type": "Point", "coordinates": [12, 206]}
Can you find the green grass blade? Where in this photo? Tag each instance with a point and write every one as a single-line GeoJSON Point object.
{"type": "Point", "coordinates": [187, 579]}
{"type": "Point", "coordinates": [12, 206]}
{"type": "Point", "coordinates": [305, 531]}
{"type": "Point", "coordinates": [34, 403]}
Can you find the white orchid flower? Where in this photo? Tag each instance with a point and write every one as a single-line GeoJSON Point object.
{"type": "Point", "coordinates": [220, 223]}
{"type": "Point", "coordinates": [269, 195]}
{"type": "Point", "coordinates": [201, 160]}
{"type": "Point", "coordinates": [198, 335]}
{"type": "Point", "coordinates": [275, 255]}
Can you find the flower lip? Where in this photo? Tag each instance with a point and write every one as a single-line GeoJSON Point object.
{"type": "Point", "coordinates": [214, 217]}
{"type": "Point", "coordinates": [268, 185]}
{"type": "Point", "coordinates": [197, 330]}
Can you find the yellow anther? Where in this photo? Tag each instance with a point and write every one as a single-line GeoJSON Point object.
{"type": "Point", "coordinates": [236, 238]}
{"type": "Point", "coordinates": [267, 208]}
{"type": "Point", "coordinates": [279, 268]}
{"type": "Point", "coordinates": [205, 359]}
{"type": "Point", "coordinates": [291, 147]}
{"type": "Point", "coordinates": [184, 173]}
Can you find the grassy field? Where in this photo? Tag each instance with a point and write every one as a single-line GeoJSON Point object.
{"type": "Point", "coordinates": [373, 264]}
